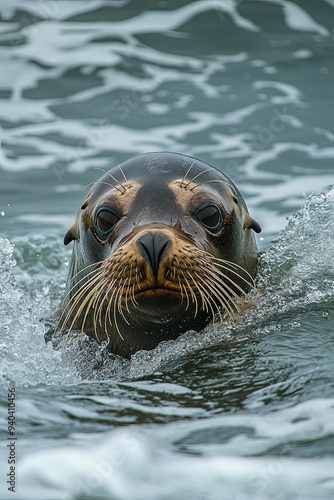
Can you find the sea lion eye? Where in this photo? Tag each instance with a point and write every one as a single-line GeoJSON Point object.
{"type": "Point", "coordinates": [105, 220]}
{"type": "Point", "coordinates": [210, 217]}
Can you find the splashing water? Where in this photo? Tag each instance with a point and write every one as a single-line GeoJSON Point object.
{"type": "Point", "coordinates": [295, 275]}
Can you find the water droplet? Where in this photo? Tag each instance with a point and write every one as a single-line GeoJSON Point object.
{"type": "Point", "coordinates": [2, 213]}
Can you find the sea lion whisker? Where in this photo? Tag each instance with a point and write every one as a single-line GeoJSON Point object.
{"type": "Point", "coordinates": [127, 293]}
{"type": "Point", "coordinates": [183, 288]}
{"type": "Point", "coordinates": [126, 298]}
{"type": "Point", "coordinates": [119, 298]}
{"type": "Point", "coordinates": [206, 268]}
{"type": "Point", "coordinates": [220, 262]}
{"type": "Point", "coordinates": [94, 322]}
{"type": "Point", "coordinates": [232, 300]}
{"type": "Point", "coordinates": [120, 309]}
{"type": "Point", "coordinates": [221, 302]}
{"type": "Point", "coordinates": [95, 264]}
{"type": "Point", "coordinates": [198, 175]}
{"type": "Point", "coordinates": [77, 283]}
{"type": "Point", "coordinates": [115, 319]}
{"type": "Point", "coordinates": [98, 308]}
{"type": "Point", "coordinates": [97, 298]}
{"type": "Point", "coordinates": [98, 290]}
{"type": "Point", "coordinates": [109, 286]}
{"type": "Point", "coordinates": [103, 182]}
{"type": "Point", "coordinates": [100, 300]}
{"type": "Point", "coordinates": [134, 302]}
{"type": "Point", "coordinates": [129, 289]}
{"type": "Point", "coordinates": [180, 284]}
{"type": "Point", "coordinates": [235, 273]}
{"type": "Point", "coordinates": [137, 279]}
{"type": "Point", "coordinates": [113, 178]}
{"type": "Point", "coordinates": [87, 302]}
{"type": "Point", "coordinates": [74, 299]}
{"type": "Point", "coordinates": [126, 180]}
{"type": "Point", "coordinates": [222, 299]}
{"type": "Point", "coordinates": [216, 274]}
{"type": "Point", "coordinates": [226, 301]}
{"type": "Point", "coordinates": [251, 283]}
{"type": "Point", "coordinates": [83, 287]}
{"type": "Point", "coordinates": [108, 311]}
{"type": "Point", "coordinates": [231, 280]}
{"type": "Point", "coordinates": [187, 172]}
{"type": "Point", "coordinates": [131, 293]}
{"type": "Point", "coordinates": [226, 277]}
{"type": "Point", "coordinates": [235, 299]}
{"type": "Point", "coordinates": [232, 271]}
{"type": "Point", "coordinates": [186, 293]}
{"type": "Point", "coordinates": [215, 180]}
{"type": "Point", "coordinates": [204, 299]}
{"type": "Point", "coordinates": [112, 268]}
{"type": "Point", "coordinates": [174, 271]}
{"type": "Point", "coordinates": [210, 299]}
{"type": "Point", "coordinates": [177, 261]}
{"type": "Point", "coordinates": [91, 300]}
{"type": "Point", "coordinates": [77, 313]}
{"type": "Point", "coordinates": [193, 295]}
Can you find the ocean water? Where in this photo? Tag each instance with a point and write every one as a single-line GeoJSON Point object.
{"type": "Point", "coordinates": [241, 411]}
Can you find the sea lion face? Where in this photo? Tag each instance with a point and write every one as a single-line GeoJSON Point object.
{"type": "Point", "coordinates": [162, 243]}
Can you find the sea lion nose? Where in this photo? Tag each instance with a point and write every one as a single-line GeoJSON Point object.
{"type": "Point", "coordinates": [152, 248]}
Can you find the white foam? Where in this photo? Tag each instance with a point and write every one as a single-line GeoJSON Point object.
{"type": "Point", "coordinates": [25, 358]}
{"type": "Point", "coordinates": [298, 19]}
{"type": "Point", "coordinates": [130, 464]}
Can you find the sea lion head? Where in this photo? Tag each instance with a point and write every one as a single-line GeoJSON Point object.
{"type": "Point", "coordinates": [162, 244]}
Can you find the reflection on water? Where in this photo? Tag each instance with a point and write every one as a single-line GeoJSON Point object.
{"type": "Point", "coordinates": [242, 411]}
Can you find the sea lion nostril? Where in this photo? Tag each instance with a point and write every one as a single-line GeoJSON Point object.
{"type": "Point", "coordinates": [153, 247]}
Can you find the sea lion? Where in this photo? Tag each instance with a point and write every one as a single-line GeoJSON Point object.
{"type": "Point", "coordinates": [162, 244]}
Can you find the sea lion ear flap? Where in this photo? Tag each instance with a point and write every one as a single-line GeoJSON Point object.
{"type": "Point", "coordinates": [252, 224]}
{"type": "Point", "coordinates": [72, 234]}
